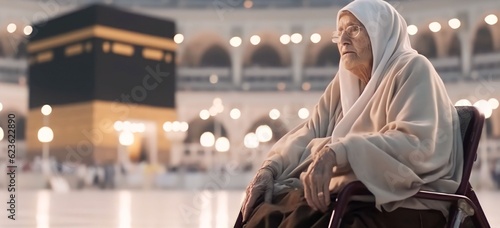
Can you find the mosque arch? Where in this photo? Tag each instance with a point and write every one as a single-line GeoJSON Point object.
{"type": "Point", "coordinates": [215, 56]}
{"type": "Point", "coordinates": [278, 127]}
{"type": "Point", "coordinates": [483, 41]}
{"type": "Point", "coordinates": [266, 56]}
{"type": "Point", "coordinates": [205, 49]}
{"type": "Point", "coordinates": [198, 126]}
{"type": "Point", "coordinates": [426, 45]}
{"type": "Point", "coordinates": [269, 52]}
{"type": "Point", "coordinates": [328, 56]}
{"type": "Point", "coordinates": [454, 50]}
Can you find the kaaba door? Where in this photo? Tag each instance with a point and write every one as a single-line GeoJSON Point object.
{"type": "Point", "coordinates": [145, 140]}
{"type": "Point", "coordinates": [138, 139]}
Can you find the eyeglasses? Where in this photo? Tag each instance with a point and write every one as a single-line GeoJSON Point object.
{"type": "Point", "coordinates": [352, 31]}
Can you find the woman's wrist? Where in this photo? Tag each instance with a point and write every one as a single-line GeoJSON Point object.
{"type": "Point", "coordinates": [330, 154]}
{"type": "Point", "coordinates": [267, 166]}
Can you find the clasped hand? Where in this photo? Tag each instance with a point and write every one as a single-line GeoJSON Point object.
{"type": "Point", "coordinates": [316, 179]}
{"type": "Point", "coordinates": [261, 185]}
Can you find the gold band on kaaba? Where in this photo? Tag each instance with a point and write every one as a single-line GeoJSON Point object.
{"type": "Point", "coordinates": [105, 33]}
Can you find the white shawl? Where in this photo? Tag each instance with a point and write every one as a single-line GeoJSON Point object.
{"type": "Point", "coordinates": [389, 40]}
{"type": "Point", "coordinates": [397, 136]}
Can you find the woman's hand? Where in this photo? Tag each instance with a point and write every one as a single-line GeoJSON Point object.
{"type": "Point", "coordinates": [261, 185]}
{"type": "Point", "coordinates": [317, 179]}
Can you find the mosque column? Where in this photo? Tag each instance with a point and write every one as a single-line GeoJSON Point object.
{"type": "Point", "coordinates": [237, 65]}
{"type": "Point", "coordinates": [466, 36]}
{"type": "Point", "coordinates": [298, 53]}
{"type": "Point", "coordinates": [236, 56]}
{"type": "Point", "coordinates": [466, 53]}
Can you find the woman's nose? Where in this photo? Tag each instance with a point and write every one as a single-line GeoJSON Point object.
{"type": "Point", "coordinates": [345, 39]}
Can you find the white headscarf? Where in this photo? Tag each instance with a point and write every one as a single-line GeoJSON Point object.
{"type": "Point", "coordinates": [389, 40]}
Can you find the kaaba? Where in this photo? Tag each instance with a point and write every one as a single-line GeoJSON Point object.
{"type": "Point", "coordinates": [96, 67]}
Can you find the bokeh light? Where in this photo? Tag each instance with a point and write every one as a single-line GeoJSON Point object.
{"type": "Point", "coordinates": [251, 141]}
{"type": "Point", "coordinates": [412, 30]}
{"type": "Point", "coordinates": [315, 38]}
{"type": "Point", "coordinates": [255, 39]}
{"type": "Point", "coordinates": [435, 26]}
{"type": "Point", "coordinates": [207, 139]}
{"type": "Point", "coordinates": [178, 38]}
{"type": "Point", "coordinates": [222, 144]}
{"type": "Point", "coordinates": [274, 114]}
{"type": "Point", "coordinates": [285, 39]}
{"type": "Point", "coordinates": [454, 23]}
{"type": "Point", "coordinates": [463, 102]}
{"type": "Point", "coordinates": [484, 107]}
{"type": "Point", "coordinates": [491, 19]}
{"type": "Point", "coordinates": [296, 38]}
{"type": "Point", "coordinates": [204, 114]}
{"type": "Point", "coordinates": [303, 113]}
{"type": "Point", "coordinates": [235, 113]}
{"type": "Point", "coordinates": [264, 133]}
{"type": "Point", "coordinates": [235, 41]}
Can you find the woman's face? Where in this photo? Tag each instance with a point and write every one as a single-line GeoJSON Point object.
{"type": "Point", "coordinates": [356, 52]}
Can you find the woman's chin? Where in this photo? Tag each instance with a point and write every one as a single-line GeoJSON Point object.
{"type": "Point", "coordinates": [348, 61]}
{"type": "Point", "coordinates": [348, 65]}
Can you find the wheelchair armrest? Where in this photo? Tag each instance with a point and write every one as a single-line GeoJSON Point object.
{"type": "Point", "coordinates": [430, 195]}
{"type": "Point", "coordinates": [357, 188]}
{"type": "Point", "coordinates": [461, 202]}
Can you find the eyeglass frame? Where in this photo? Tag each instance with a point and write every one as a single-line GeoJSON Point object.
{"type": "Point", "coordinates": [337, 34]}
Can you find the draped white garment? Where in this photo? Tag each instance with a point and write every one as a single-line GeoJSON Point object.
{"type": "Point", "coordinates": [399, 135]}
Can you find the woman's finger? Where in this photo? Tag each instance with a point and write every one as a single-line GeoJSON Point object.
{"type": "Point", "coordinates": [323, 193]}
{"type": "Point", "coordinates": [316, 189]}
{"type": "Point", "coordinates": [249, 204]}
{"type": "Point", "coordinates": [326, 190]}
{"type": "Point", "coordinates": [268, 195]}
{"type": "Point", "coordinates": [261, 187]}
{"type": "Point", "coordinates": [312, 190]}
{"type": "Point", "coordinates": [244, 209]}
{"type": "Point", "coordinates": [307, 190]}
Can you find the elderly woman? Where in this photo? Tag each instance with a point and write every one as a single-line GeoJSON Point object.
{"type": "Point", "coordinates": [385, 120]}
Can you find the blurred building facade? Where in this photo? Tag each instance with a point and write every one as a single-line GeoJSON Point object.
{"type": "Point", "coordinates": [243, 64]}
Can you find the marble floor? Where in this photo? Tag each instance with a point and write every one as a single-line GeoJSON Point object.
{"type": "Point", "coordinates": [144, 209]}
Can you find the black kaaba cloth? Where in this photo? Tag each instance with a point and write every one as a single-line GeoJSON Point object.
{"type": "Point", "coordinates": [102, 53]}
